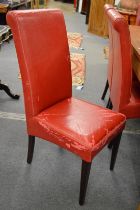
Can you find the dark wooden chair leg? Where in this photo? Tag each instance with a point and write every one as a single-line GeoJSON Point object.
{"type": "Point", "coordinates": [110, 145]}
{"type": "Point", "coordinates": [8, 91]}
{"type": "Point", "coordinates": [88, 11]}
{"type": "Point", "coordinates": [31, 143]}
{"type": "Point", "coordinates": [109, 104]}
{"type": "Point", "coordinates": [105, 90]}
{"type": "Point", "coordinates": [85, 171]}
{"type": "Point", "coordinates": [115, 147]}
{"type": "Point", "coordinates": [77, 5]}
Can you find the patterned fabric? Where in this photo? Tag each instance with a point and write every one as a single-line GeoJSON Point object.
{"type": "Point", "coordinates": [5, 33]}
{"type": "Point", "coordinates": [106, 52]}
{"type": "Point", "coordinates": [78, 68]}
{"type": "Point", "coordinates": [74, 39]}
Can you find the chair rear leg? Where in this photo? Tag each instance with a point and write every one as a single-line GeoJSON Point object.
{"type": "Point", "coordinates": [31, 143]}
{"type": "Point", "coordinates": [105, 90]}
{"type": "Point", "coordinates": [109, 104]}
{"type": "Point", "coordinates": [85, 171]}
{"type": "Point", "coordinates": [110, 145]}
{"type": "Point", "coordinates": [115, 147]}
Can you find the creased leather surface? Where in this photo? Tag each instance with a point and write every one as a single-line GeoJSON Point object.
{"type": "Point", "coordinates": [123, 90]}
{"type": "Point", "coordinates": [43, 54]}
{"type": "Point", "coordinates": [51, 113]}
{"type": "Point", "coordinates": [78, 126]}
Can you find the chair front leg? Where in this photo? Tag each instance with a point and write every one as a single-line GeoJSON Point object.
{"type": "Point", "coordinates": [31, 143]}
{"type": "Point", "coordinates": [115, 147]}
{"type": "Point", "coordinates": [85, 171]}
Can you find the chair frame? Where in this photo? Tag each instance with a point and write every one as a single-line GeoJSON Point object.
{"type": "Point", "coordinates": [36, 105]}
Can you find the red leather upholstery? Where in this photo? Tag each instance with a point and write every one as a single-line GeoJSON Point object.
{"type": "Point", "coordinates": [77, 126]}
{"type": "Point", "coordinates": [42, 67]}
{"type": "Point", "coordinates": [45, 68]}
{"type": "Point", "coordinates": [43, 54]}
{"type": "Point", "coordinates": [138, 16]}
{"type": "Point", "coordinates": [51, 112]}
{"type": "Point", "coordinates": [124, 94]}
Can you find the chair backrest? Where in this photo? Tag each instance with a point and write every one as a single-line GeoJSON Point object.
{"type": "Point", "coordinates": [138, 16]}
{"type": "Point", "coordinates": [110, 60]}
{"type": "Point", "coordinates": [43, 54]}
{"type": "Point", "coordinates": [122, 64]}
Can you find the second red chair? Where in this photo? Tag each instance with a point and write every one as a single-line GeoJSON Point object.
{"type": "Point", "coordinates": [124, 92]}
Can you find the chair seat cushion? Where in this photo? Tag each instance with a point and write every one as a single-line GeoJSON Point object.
{"type": "Point", "coordinates": [78, 126]}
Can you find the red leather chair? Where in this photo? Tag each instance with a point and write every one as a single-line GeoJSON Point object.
{"type": "Point", "coordinates": [124, 93]}
{"type": "Point", "coordinates": [51, 112]}
{"type": "Point", "coordinates": [138, 16]}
